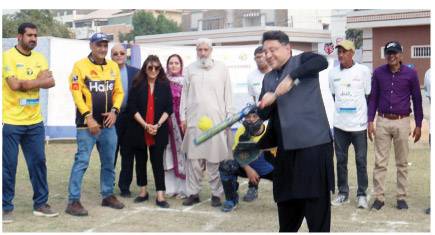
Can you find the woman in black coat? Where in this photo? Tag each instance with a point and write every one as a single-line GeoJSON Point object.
{"type": "Point", "coordinates": [149, 105]}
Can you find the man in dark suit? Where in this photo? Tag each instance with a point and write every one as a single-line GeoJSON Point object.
{"type": "Point", "coordinates": [298, 125]}
{"type": "Point", "coordinates": [119, 55]}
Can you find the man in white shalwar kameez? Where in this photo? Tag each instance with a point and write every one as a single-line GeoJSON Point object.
{"type": "Point", "coordinates": [206, 93]}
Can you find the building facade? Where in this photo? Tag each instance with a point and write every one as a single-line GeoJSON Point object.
{"type": "Point", "coordinates": [410, 27]}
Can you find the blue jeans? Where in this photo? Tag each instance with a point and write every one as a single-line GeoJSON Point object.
{"type": "Point", "coordinates": [31, 138]}
{"type": "Point", "coordinates": [342, 141]}
{"type": "Point", "coordinates": [106, 142]}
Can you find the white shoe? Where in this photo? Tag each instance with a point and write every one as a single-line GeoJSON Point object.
{"type": "Point", "coordinates": [362, 202]}
{"type": "Point", "coordinates": [340, 200]}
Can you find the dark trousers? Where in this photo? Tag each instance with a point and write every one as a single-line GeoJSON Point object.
{"type": "Point", "coordinates": [303, 179]}
{"type": "Point", "coordinates": [121, 125]}
{"type": "Point", "coordinates": [317, 212]}
{"type": "Point", "coordinates": [31, 138]}
{"type": "Point", "coordinates": [229, 170]}
{"type": "Point", "coordinates": [128, 155]}
{"type": "Point", "coordinates": [156, 157]}
{"type": "Point", "coordinates": [342, 141]}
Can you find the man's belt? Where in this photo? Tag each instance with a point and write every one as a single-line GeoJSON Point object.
{"type": "Point", "coordinates": [392, 116]}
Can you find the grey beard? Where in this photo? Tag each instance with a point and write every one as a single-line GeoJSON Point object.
{"type": "Point", "coordinates": [206, 62]}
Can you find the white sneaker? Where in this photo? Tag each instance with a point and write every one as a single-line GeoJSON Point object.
{"type": "Point", "coordinates": [362, 202]}
{"type": "Point", "coordinates": [8, 217]}
{"type": "Point", "coordinates": [340, 200]}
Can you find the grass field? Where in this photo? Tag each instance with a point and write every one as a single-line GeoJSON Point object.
{"type": "Point", "coordinates": [257, 216]}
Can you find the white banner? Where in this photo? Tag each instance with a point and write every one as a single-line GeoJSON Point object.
{"type": "Point", "coordinates": [65, 52]}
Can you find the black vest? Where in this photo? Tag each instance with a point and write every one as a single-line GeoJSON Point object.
{"type": "Point", "coordinates": [302, 116]}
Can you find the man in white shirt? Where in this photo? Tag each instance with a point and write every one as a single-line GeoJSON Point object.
{"type": "Point", "coordinates": [350, 84]}
{"type": "Point", "coordinates": [206, 93]}
{"type": "Point", "coordinates": [427, 90]}
{"type": "Point", "coordinates": [427, 83]}
{"type": "Point", "coordinates": [255, 78]}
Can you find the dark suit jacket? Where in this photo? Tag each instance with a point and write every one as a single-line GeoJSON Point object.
{"type": "Point", "coordinates": [137, 102]}
{"type": "Point", "coordinates": [121, 122]}
{"type": "Point", "coordinates": [131, 73]}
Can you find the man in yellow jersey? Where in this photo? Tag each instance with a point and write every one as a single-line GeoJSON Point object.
{"type": "Point", "coordinates": [24, 72]}
{"type": "Point", "coordinates": [97, 92]}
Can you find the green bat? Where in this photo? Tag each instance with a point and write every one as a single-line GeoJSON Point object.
{"type": "Point", "coordinates": [229, 121]}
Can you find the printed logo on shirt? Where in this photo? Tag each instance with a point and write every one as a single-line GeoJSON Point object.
{"type": "Point", "coordinates": [26, 102]}
{"type": "Point", "coordinates": [75, 83]}
{"type": "Point", "coordinates": [345, 93]}
{"type": "Point", "coordinates": [347, 110]}
{"type": "Point", "coordinates": [75, 78]}
{"type": "Point", "coordinates": [337, 79]}
{"type": "Point", "coordinates": [29, 71]}
{"type": "Point", "coordinates": [19, 65]}
{"type": "Point", "coordinates": [100, 86]}
{"type": "Point", "coordinates": [7, 68]}
{"type": "Point", "coordinates": [112, 74]}
{"type": "Point", "coordinates": [93, 73]}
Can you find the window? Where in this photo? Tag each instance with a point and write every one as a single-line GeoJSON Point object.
{"type": "Point", "coordinates": [83, 24]}
{"type": "Point", "coordinates": [420, 51]}
{"type": "Point", "coordinates": [100, 23]}
{"type": "Point", "coordinates": [213, 23]}
{"type": "Point", "coordinates": [252, 18]}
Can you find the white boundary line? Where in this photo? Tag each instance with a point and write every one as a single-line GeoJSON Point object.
{"type": "Point", "coordinates": [208, 227]}
{"type": "Point", "coordinates": [128, 214]}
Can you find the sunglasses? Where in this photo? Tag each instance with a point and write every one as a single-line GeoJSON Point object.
{"type": "Point", "coordinates": [150, 68]}
{"type": "Point", "coordinates": [120, 53]}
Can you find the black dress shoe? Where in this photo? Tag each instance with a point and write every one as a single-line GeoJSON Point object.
{"type": "Point", "coordinates": [192, 199]}
{"type": "Point", "coordinates": [377, 205]}
{"type": "Point", "coordinates": [215, 201]}
{"type": "Point", "coordinates": [140, 199]}
{"type": "Point", "coordinates": [402, 205]}
{"type": "Point", "coordinates": [162, 204]}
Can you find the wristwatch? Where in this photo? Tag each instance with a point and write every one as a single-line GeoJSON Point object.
{"type": "Point", "coordinates": [158, 125]}
{"type": "Point", "coordinates": [114, 110]}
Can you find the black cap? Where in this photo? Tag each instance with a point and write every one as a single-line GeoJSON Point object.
{"type": "Point", "coordinates": [392, 47]}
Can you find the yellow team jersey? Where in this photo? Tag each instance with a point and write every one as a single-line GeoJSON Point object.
{"type": "Point", "coordinates": [21, 107]}
{"type": "Point", "coordinates": [241, 130]}
{"type": "Point", "coordinates": [95, 88]}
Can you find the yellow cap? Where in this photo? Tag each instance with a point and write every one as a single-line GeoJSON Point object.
{"type": "Point", "coordinates": [346, 44]}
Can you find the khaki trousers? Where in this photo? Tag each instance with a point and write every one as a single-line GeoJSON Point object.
{"type": "Point", "coordinates": [195, 172]}
{"type": "Point", "coordinates": [398, 132]}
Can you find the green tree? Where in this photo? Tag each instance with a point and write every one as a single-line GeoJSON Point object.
{"type": "Point", "coordinates": [165, 25]}
{"type": "Point", "coordinates": [129, 37]}
{"type": "Point", "coordinates": [355, 35]}
{"type": "Point", "coordinates": [144, 23]}
{"type": "Point", "coordinates": [43, 19]}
